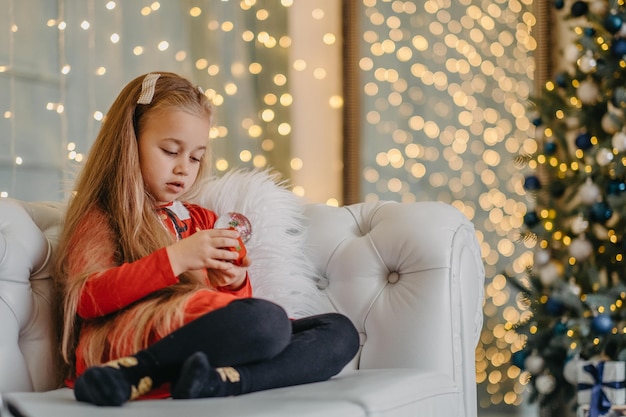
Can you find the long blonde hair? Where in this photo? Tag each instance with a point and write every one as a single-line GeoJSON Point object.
{"type": "Point", "coordinates": [111, 184]}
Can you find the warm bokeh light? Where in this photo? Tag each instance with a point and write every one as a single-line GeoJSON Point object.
{"type": "Point", "coordinates": [445, 89]}
{"type": "Point", "coordinates": [98, 69]}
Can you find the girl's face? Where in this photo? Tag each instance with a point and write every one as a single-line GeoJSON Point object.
{"type": "Point", "coordinates": [171, 144]}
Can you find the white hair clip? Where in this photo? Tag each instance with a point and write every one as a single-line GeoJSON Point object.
{"type": "Point", "coordinates": [200, 89]}
{"type": "Point", "coordinates": [147, 88]}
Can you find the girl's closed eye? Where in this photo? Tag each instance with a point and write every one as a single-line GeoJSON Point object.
{"type": "Point", "coordinates": [169, 152]}
{"type": "Point", "coordinates": [197, 157]}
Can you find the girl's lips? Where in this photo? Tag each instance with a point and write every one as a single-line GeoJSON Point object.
{"type": "Point", "coordinates": [175, 186]}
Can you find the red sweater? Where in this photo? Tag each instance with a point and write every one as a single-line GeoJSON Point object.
{"type": "Point", "coordinates": [113, 289]}
{"type": "Point", "coordinates": [116, 287]}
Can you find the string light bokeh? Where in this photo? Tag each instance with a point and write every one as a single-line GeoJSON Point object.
{"type": "Point", "coordinates": [445, 90]}
{"type": "Point", "coordinates": [63, 64]}
{"type": "Point", "coordinates": [445, 85]}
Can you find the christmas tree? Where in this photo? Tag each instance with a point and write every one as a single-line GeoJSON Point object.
{"type": "Point", "coordinates": [576, 211]}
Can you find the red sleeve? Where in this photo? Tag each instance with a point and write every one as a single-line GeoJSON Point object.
{"type": "Point", "coordinates": [106, 286]}
{"type": "Point", "coordinates": [115, 288]}
{"type": "Point", "coordinates": [244, 292]}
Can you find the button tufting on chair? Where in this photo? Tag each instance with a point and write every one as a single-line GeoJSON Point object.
{"type": "Point", "coordinates": [393, 277]}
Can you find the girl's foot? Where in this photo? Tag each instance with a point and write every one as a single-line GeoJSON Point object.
{"type": "Point", "coordinates": [198, 379]}
{"type": "Point", "coordinates": [113, 383]}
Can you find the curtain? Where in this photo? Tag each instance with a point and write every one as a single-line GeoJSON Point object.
{"type": "Point", "coordinates": [63, 63]}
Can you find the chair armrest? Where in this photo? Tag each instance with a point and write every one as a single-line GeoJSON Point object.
{"type": "Point", "coordinates": [410, 276]}
{"type": "Point", "coordinates": [27, 332]}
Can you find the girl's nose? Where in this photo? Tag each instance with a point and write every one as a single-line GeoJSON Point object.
{"type": "Point", "coordinates": [182, 167]}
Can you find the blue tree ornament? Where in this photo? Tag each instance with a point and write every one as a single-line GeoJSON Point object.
{"type": "Point", "coordinates": [559, 4]}
{"type": "Point", "coordinates": [560, 328]}
{"type": "Point", "coordinates": [613, 23]}
{"type": "Point", "coordinates": [618, 48]}
{"type": "Point", "coordinates": [549, 148]}
{"type": "Point", "coordinates": [600, 212]}
{"type": "Point", "coordinates": [579, 8]}
{"type": "Point", "coordinates": [602, 324]}
{"type": "Point", "coordinates": [518, 358]}
{"type": "Point", "coordinates": [615, 187]}
{"type": "Point", "coordinates": [554, 306]}
{"type": "Point", "coordinates": [531, 219]}
{"type": "Point", "coordinates": [532, 183]}
{"type": "Point", "coordinates": [583, 141]}
{"type": "Point", "coordinates": [561, 80]}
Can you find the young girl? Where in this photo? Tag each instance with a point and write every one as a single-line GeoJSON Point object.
{"type": "Point", "coordinates": [153, 303]}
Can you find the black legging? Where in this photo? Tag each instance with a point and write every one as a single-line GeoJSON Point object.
{"type": "Point", "coordinates": [265, 346]}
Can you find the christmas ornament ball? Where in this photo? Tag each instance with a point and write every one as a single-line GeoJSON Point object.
{"type": "Point", "coordinates": [601, 212]}
{"type": "Point", "coordinates": [587, 63]}
{"type": "Point", "coordinates": [619, 97]}
{"type": "Point", "coordinates": [610, 123]}
{"type": "Point", "coordinates": [235, 221]}
{"type": "Point", "coordinates": [579, 225]}
{"type": "Point", "coordinates": [554, 306]}
{"type": "Point", "coordinates": [589, 192]}
{"type": "Point", "coordinates": [532, 183]}
{"type": "Point", "coordinates": [531, 219]}
{"type": "Point", "coordinates": [545, 384]}
{"type": "Point", "coordinates": [549, 148]}
{"type": "Point", "coordinates": [615, 187]}
{"type": "Point", "coordinates": [613, 23]}
{"type": "Point", "coordinates": [549, 274]}
{"type": "Point", "coordinates": [618, 141]}
{"type": "Point", "coordinates": [518, 358]}
{"type": "Point", "coordinates": [579, 8]}
{"type": "Point", "coordinates": [604, 157]}
{"type": "Point", "coordinates": [534, 363]}
{"type": "Point", "coordinates": [618, 48]}
{"type": "Point", "coordinates": [542, 257]}
{"type": "Point", "coordinates": [570, 370]}
{"type": "Point", "coordinates": [571, 54]}
{"type": "Point", "coordinates": [560, 328]}
{"type": "Point", "coordinates": [588, 92]}
{"type": "Point", "coordinates": [583, 141]}
{"type": "Point", "coordinates": [602, 324]}
{"type": "Point", "coordinates": [572, 122]}
{"type": "Point", "coordinates": [598, 7]}
{"type": "Point", "coordinates": [581, 249]}
{"type": "Point", "coordinates": [559, 4]}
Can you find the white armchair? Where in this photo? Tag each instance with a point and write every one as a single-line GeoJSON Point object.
{"type": "Point", "coordinates": [409, 275]}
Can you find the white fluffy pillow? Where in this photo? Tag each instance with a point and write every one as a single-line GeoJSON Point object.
{"type": "Point", "coordinates": [280, 271]}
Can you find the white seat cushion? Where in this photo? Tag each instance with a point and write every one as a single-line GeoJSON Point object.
{"type": "Point", "coordinates": [372, 393]}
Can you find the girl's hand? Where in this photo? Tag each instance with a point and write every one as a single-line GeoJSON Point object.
{"type": "Point", "coordinates": [205, 249]}
{"type": "Point", "coordinates": [230, 279]}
